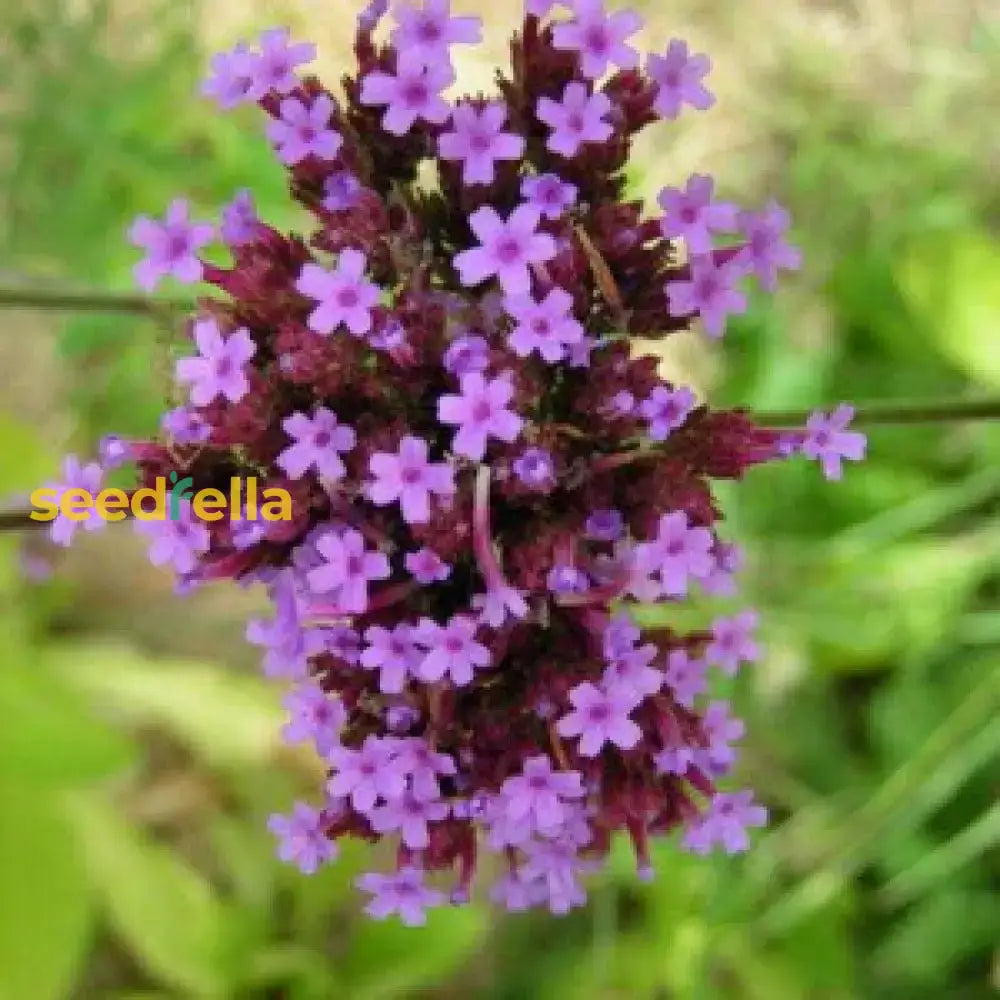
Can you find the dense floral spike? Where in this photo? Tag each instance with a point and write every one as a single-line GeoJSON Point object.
{"type": "Point", "coordinates": [482, 474]}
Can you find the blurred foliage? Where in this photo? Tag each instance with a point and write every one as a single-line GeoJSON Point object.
{"type": "Point", "coordinates": [134, 787]}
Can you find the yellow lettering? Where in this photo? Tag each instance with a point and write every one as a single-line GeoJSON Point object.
{"type": "Point", "coordinates": [45, 504]}
{"type": "Point", "coordinates": [208, 505]}
{"type": "Point", "coordinates": [277, 505]}
{"type": "Point", "coordinates": [76, 504]}
{"type": "Point", "coordinates": [111, 504]}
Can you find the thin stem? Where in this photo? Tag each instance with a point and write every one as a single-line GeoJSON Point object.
{"type": "Point", "coordinates": [953, 411]}
{"type": "Point", "coordinates": [89, 300]}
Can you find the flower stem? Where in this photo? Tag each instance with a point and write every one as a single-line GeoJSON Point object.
{"type": "Point", "coordinates": [57, 299]}
{"type": "Point", "coordinates": [953, 411]}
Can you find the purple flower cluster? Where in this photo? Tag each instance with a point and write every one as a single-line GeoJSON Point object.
{"type": "Point", "coordinates": [483, 472]}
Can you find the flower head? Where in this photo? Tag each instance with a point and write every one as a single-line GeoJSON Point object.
{"type": "Point", "coordinates": [171, 246]}
{"type": "Point", "coordinates": [403, 894]}
{"type": "Point", "coordinates": [451, 650]}
{"type": "Point", "coordinates": [507, 248]}
{"type": "Point", "coordinates": [733, 642]}
{"type": "Point", "coordinates": [678, 76]}
{"type": "Point", "coordinates": [480, 412]}
{"type": "Point", "coordinates": [410, 95]}
{"type": "Point", "coordinates": [827, 440]}
{"type": "Point", "coordinates": [725, 822]}
{"type": "Point", "coordinates": [427, 566]}
{"type": "Point", "coordinates": [220, 369]}
{"type": "Point", "coordinates": [599, 37]}
{"type": "Point", "coordinates": [85, 479]}
{"type": "Point", "coordinates": [341, 190]}
{"type": "Point", "coordinates": [346, 570]}
{"type": "Point", "coordinates": [599, 717]}
{"type": "Point", "coordinates": [314, 716]}
{"type": "Point", "coordinates": [317, 443]}
{"type": "Point", "coordinates": [231, 80]}
{"type": "Point", "coordinates": [273, 66]}
{"type": "Point", "coordinates": [578, 118]}
{"type": "Point", "coordinates": [426, 32]}
{"type": "Point", "coordinates": [478, 140]}
{"type": "Point", "coordinates": [344, 296]}
{"type": "Point", "coordinates": [239, 219]}
{"type": "Point", "coordinates": [178, 542]}
{"type": "Point", "coordinates": [691, 214]}
{"type": "Point", "coordinates": [304, 130]}
{"type": "Point", "coordinates": [709, 292]}
{"type": "Point", "coordinates": [766, 249]}
{"type": "Point", "coordinates": [547, 328]}
{"type": "Point", "coordinates": [302, 838]}
{"type": "Point", "coordinates": [550, 195]}
{"type": "Point", "coordinates": [409, 478]}
{"type": "Point", "coordinates": [666, 410]}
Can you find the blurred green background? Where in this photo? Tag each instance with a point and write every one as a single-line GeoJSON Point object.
{"type": "Point", "coordinates": [138, 749]}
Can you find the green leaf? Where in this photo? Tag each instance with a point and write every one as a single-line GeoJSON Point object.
{"type": "Point", "coordinates": [386, 959]}
{"type": "Point", "coordinates": [953, 285]}
{"type": "Point", "coordinates": [226, 719]}
{"type": "Point", "coordinates": [47, 908]}
{"type": "Point", "coordinates": [49, 736]}
{"type": "Point", "coordinates": [163, 910]}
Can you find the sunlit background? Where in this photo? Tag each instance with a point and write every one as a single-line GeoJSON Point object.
{"type": "Point", "coordinates": [139, 755]}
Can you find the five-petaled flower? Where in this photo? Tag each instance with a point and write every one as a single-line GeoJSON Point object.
{"type": "Point", "coordinates": [578, 118]}
{"type": "Point", "coordinates": [481, 412]}
{"type": "Point", "coordinates": [345, 296]}
{"type": "Point", "coordinates": [304, 130]}
{"type": "Point", "coordinates": [827, 440]}
{"type": "Point", "coordinates": [410, 478]}
{"type": "Point", "coordinates": [171, 246]}
{"type": "Point", "coordinates": [220, 369]}
{"type": "Point", "coordinates": [599, 37]}
{"type": "Point", "coordinates": [477, 139]}
{"type": "Point", "coordinates": [413, 93]}
{"type": "Point", "coordinates": [318, 442]}
{"type": "Point", "coordinates": [678, 76]}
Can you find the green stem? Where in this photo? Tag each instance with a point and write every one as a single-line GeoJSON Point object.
{"type": "Point", "coordinates": [955, 411]}
{"type": "Point", "coordinates": [86, 300]}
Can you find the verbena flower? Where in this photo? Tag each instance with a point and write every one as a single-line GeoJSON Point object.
{"type": "Point", "coordinates": [484, 472]}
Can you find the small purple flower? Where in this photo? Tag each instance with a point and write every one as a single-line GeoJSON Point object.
{"type": "Point", "coordinates": [245, 534]}
{"type": "Point", "coordinates": [535, 469]}
{"type": "Point", "coordinates": [368, 774]}
{"type": "Point", "coordinates": [480, 412]}
{"type": "Point", "coordinates": [577, 119]}
{"type": "Point", "coordinates": [722, 729]}
{"type": "Point", "coordinates": [478, 140]}
{"type": "Point", "coordinates": [239, 219]}
{"type": "Point", "coordinates": [231, 78]}
{"type": "Point", "coordinates": [76, 476]}
{"type": "Point", "coordinates": [409, 814]}
{"type": "Point", "coordinates": [666, 410]}
{"type": "Point", "coordinates": [347, 570]}
{"type": "Point", "coordinates": [552, 196]}
{"type": "Point", "coordinates": [179, 542]}
{"type": "Point", "coordinates": [423, 766]}
{"type": "Point", "coordinates": [579, 353]}
{"type": "Point", "coordinates": [692, 215]}
{"type": "Point", "coordinates": [828, 441]}
{"type": "Point", "coordinates": [555, 866]}
{"type": "Point", "coordinates": [679, 551]}
{"type": "Point", "coordinates": [413, 93]}
{"type": "Point", "coordinates": [288, 644]}
{"type": "Point", "coordinates": [403, 893]}
{"type": "Point", "coordinates": [599, 37]}
{"type": "Point", "coordinates": [709, 292]}
{"type": "Point", "coordinates": [274, 65]}
{"type": "Point", "coordinates": [341, 191]}
{"type": "Point", "coordinates": [219, 369]}
{"type": "Point", "coordinates": [507, 248]}
{"type": "Point", "coordinates": [498, 604]}
{"type": "Point", "coordinates": [725, 822]}
{"type": "Point", "coordinates": [344, 295]}
{"type": "Point", "coordinates": [467, 354]}
{"type": "Point", "coordinates": [547, 327]}
{"type": "Point", "coordinates": [452, 650]}
{"type": "Point", "coordinates": [426, 566]}
{"type": "Point", "coordinates": [314, 716]}
{"type": "Point", "coordinates": [563, 579]}
{"type": "Point", "coordinates": [605, 526]}
{"type": "Point", "coordinates": [408, 477]}
{"type": "Point", "coordinates": [733, 642]}
{"type": "Point", "coordinates": [621, 404]}
{"type": "Point", "coordinates": [425, 33]}
{"type": "Point", "coordinates": [679, 76]}
{"type": "Point", "coordinates": [318, 442]}
{"type": "Point", "coordinates": [513, 892]}
{"type": "Point", "coordinates": [674, 759]}
{"type": "Point", "coordinates": [113, 451]}
{"type": "Point", "coordinates": [171, 246]}
{"type": "Point", "coordinates": [600, 717]}
{"type": "Point", "coordinates": [302, 838]}
{"type": "Point", "coordinates": [630, 672]}
{"type": "Point", "coordinates": [304, 130]}
{"type": "Point", "coordinates": [536, 796]}
{"type": "Point", "coordinates": [766, 249]}
{"type": "Point", "coordinates": [394, 653]}
{"type": "Point", "coordinates": [343, 642]}
{"type": "Point", "coordinates": [685, 676]}
{"type": "Point", "coordinates": [185, 426]}
{"type": "Point", "coordinates": [728, 562]}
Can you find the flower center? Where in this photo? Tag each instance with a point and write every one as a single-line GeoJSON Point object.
{"type": "Point", "coordinates": [223, 367]}
{"type": "Point", "coordinates": [347, 298]}
{"type": "Point", "coordinates": [508, 250]}
{"type": "Point", "coordinates": [689, 215]}
{"type": "Point", "coordinates": [411, 475]}
{"type": "Point", "coordinates": [322, 439]}
{"type": "Point", "coordinates": [453, 644]}
{"type": "Point", "coordinates": [428, 30]}
{"type": "Point", "coordinates": [415, 94]}
{"type": "Point", "coordinates": [537, 783]}
{"type": "Point", "coordinates": [575, 122]}
{"type": "Point", "coordinates": [307, 133]}
{"type": "Point", "coordinates": [354, 565]}
{"type": "Point", "coordinates": [178, 245]}
{"type": "Point", "coordinates": [599, 713]}
{"type": "Point", "coordinates": [479, 142]}
{"type": "Point", "coordinates": [596, 39]}
{"type": "Point", "coordinates": [481, 411]}
{"type": "Point", "coordinates": [540, 327]}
